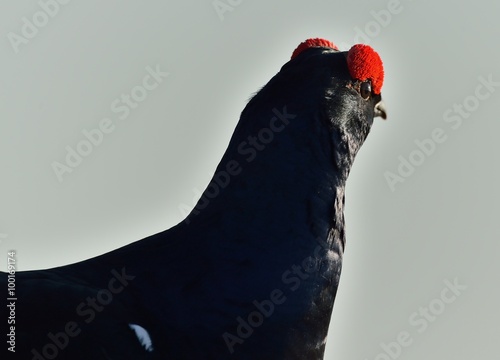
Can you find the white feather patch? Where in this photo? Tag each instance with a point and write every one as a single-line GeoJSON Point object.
{"type": "Point", "coordinates": [143, 336]}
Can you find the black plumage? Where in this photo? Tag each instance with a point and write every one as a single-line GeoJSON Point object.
{"type": "Point", "coordinates": [252, 272]}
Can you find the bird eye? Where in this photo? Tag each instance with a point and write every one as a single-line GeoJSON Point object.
{"type": "Point", "coordinates": [365, 89]}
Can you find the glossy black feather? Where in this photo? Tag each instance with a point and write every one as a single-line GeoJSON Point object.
{"type": "Point", "coordinates": [189, 285]}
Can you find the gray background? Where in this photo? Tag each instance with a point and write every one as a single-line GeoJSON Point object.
{"type": "Point", "coordinates": [440, 224]}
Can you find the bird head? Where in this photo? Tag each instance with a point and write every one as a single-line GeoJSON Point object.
{"type": "Point", "coordinates": [348, 85]}
{"type": "Point", "coordinates": [354, 78]}
{"type": "Point", "coordinates": [362, 63]}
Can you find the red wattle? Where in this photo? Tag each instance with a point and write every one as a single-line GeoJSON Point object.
{"type": "Point", "coordinates": [365, 64]}
{"type": "Point", "coordinates": [313, 42]}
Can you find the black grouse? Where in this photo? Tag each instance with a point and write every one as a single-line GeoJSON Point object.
{"type": "Point", "coordinates": [252, 272]}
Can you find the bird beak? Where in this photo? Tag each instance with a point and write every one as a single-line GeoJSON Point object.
{"type": "Point", "coordinates": [380, 110]}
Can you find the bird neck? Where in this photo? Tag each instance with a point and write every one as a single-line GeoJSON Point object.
{"type": "Point", "coordinates": [272, 207]}
{"type": "Point", "coordinates": [291, 174]}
